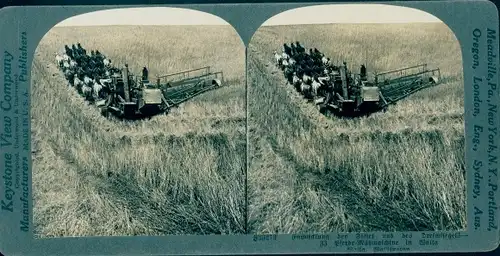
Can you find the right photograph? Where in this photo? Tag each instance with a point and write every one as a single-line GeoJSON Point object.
{"type": "Point", "coordinates": [355, 122]}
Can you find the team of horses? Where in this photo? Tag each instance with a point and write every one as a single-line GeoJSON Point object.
{"type": "Point", "coordinates": [311, 72]}
{"type": "Point", "coordinates": [90, 74]}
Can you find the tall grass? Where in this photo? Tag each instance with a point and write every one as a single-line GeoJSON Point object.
{"type": "Point", "coordinates": [402, 170]}
{"type": "Point", "coordinates": [176, 174]}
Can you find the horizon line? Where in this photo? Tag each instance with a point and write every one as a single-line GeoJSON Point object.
{"type": "Point", "coordinates": [263, 25]}
{"type": "Point", "coordinates": [135, 25]}
{"type": "Point", "coordinates": [353, 23]}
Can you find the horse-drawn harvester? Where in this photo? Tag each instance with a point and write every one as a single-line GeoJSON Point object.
{"type": "Point", "coordinates": [119, 92]}
{"type": "Point", "coordinates": [337, 90]}
{"type": "Point", "coordinates": [133, 96]}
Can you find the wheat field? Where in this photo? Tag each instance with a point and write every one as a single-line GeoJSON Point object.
{"type": "Point", "coordinates": [181, 173]}
{"type": "Point", "coordinates": [184, 173]}
{"type": "Point", "coordinates": [402, 170]}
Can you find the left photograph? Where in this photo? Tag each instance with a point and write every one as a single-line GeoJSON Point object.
{"type": "Point", "coordinates": [138, 125]}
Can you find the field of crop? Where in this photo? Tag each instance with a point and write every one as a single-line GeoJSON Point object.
{"type": "Point", "coordinates": [177, 174]}
{"type": "Point", "coordinates": [402, 170]}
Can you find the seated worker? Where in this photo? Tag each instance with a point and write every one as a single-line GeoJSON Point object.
{"type": "Point", "coordinates": [363, 73]}
{"type": "Point", "coordinates": [145, 74]}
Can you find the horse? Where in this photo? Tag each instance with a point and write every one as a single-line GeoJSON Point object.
{"type": "Point", "coordinates": [106, 62]}
{"type": "Point", "coordinates": [295, 78]}
{"type": "Point", "coordinates": [324, 60]}
{"type": "Point", "coordinates": [59, 60]}
{"type": "Point", "coordinates": [87, 91]}
{"type": "Point", "coordinates": [306, 79]}
{"type": "Point", "coordinates": [284, 64]}
{"type": "Point", "coordinates": [67, 50]}
{"type": "Point", "coordinates": [285, 55]}
{"type": "Point", "coordinates": [287, 49]}
{"type": "Point", "coordinates": [66, 57]}
{"type": "Point", "coordinates": [87, 80]}
{"type": "Point", "coordinates": [328, 62]}
{"type": "Point", "coordinates": [69, 75]}
{"type": "Point", "coordinates": [305, 88]}
{"type": "Point", "coordinates": [294, 49]}
{"type": "Point", "coordinates": [315, 86]}
{"type": "Point", "coordinates": [311, 52]}
{"type": "Point", "coordinates": [288, 72]}
{"type": "Point", "coordinates": [277, 57]}
{"type": "Point", "coordinates": [317, 52]}
{"type": "Point", "coordinates": [97, 89]}
{"type": "Point", "coordinates": [296, 81]}
{"type": "Point", "coordinates": [78, 83]}
{"type": "Point", "coordinates": [299, 47]}
{"type": "Point", "coordinates": [66, 64]}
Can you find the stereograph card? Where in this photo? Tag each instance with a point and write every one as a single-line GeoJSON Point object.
{"type": "Point", "coordinates": [249, 128]}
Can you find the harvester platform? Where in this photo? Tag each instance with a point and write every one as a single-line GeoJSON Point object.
{"type": "Point", "coordinates": [398, 84]}
{"type": "Point", "coordinates": [182, 86]}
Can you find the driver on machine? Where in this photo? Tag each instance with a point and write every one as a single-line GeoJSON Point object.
{"type": "Point", "coordinates": [145, 74]}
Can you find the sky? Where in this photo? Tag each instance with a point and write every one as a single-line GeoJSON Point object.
{"type": "Point", "coordinates": [350, 13]}
{"type": "Point", "coordinates": [320, 14]}
{"type": "Point", "coordinates": [143, 16]}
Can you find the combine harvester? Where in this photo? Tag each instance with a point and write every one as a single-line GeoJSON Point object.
{"type": "Point", "coordinates": [133, 97]}
{"type": "Point", "coordinates": [335, 89]}
{"type": "Point", "coordinates": [126, 95]}
{"type": "Point", "coordinates": [352, 95]}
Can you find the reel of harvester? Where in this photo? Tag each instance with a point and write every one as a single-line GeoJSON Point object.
{"type": "Point", "coordinates": [133, 97]}
{"type": "Point", "coordinates": [352, 95]}
{"type": "Point", "coordinates": [182, 86]}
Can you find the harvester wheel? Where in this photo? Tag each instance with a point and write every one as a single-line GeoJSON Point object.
{"type": "Point", "coordinates": [105, 112]}
{"type": "Point", "coordinates": [322, 108]}
{"type": "Point", "coordinates": [166, 111]}
{"type": "Point", "coordinates": [433, 80]}
{"type": "Point", "coordinates": [216, 82]}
